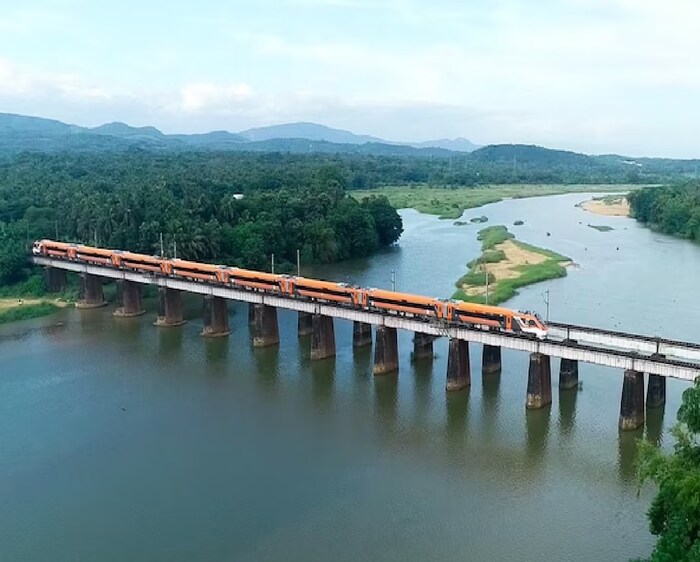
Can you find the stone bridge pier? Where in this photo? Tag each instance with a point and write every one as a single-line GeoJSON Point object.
{"type": "Point", "coordinates": [632, 401]}
{"type": "Point", "coordinates": [169, 308]}
{"type": "Point", "coordinates": [539, 381]}
{"type": "Point", "coordinates": [361, 334]}
{"type": "Point", "coordinates": [322, 337]}
{"type": "Point", "coordinates": [491, 360]}
{"type": "Point", "coordinates": [128, 299]}
{"type": "Point", "coordinates": [305, 324]}
{"type": "Point", "coordinates": [422, 346]}
{"type": "Point", "coordinates": [386, 351]}
{"type": "Point", "coordinates": [458, 369]}
{"type": "Point", "coordinates": [90, 293]}
{"type": "Point", "coordinates": [215, 312]}
{"type": "Point", "coordinates": [55, 280]}
{"type": "Point", "coordinates": [264, 327]}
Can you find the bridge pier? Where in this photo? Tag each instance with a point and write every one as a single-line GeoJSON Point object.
{"type": "Point", "coordinates": [539, 382]}
{"type": "Point", "coordinates": [491, 360]}
{"type": "Point", "coordinates": [215, 312]}
{"type": "Point", "coordinates": [305, 324]}
{"type": "Point", "coordinates": [632, 401]}
{"type": "Point", "coordinates": [90, 293]}
{"type": "Point", "coordinates": [656, 391]}
{"type": "Point", "coordinates": [422, 346]}
{"type": "Point", "coordinates": [128, 299]}
{"type": "Point", "coordinates": [361, 334]}
{"type": "Point", "coordinates": [322, 337]}
{"type": "Point", "coordinates": [251, 313]}
{"type": "Point", "coordinates": [169, 308]}
{"type": "Point", "coordinates": [55, 280]}
{"type": "Point", "coordinates": [264, 327]}
{"type": "Point", "coordinates": [568, 374]}
{"type": "Point", "coordinates": [458, 369]}
{"type": "Point", "coordinates": [386, 351]}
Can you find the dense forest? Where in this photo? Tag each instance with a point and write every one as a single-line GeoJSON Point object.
{"type": "Point", "coordinates": [670, 209]}
{"type": "Point", "coordinates": [129, 200]}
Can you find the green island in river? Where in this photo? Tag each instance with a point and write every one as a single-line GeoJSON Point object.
{"type": "Point", "coordinates": [508, 264]}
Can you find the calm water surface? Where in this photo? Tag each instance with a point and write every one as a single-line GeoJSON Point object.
{"type": "Point", "coordinates": [120, 441]}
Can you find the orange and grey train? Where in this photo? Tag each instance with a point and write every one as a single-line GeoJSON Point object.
{"type": "Point", "coordinates": [391, 302]}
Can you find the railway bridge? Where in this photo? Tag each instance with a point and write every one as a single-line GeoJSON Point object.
{"type": "Point", "coordinates": [634, 354]}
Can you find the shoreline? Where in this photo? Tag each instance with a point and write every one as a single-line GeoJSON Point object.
{"type": "Point", "coordinates": [451, 203]}
{"type": "Point", "coordinates": [609, 206]}
{"type": "Point", "coordinates": [14, 309]}
{"type": "Point", "coordinates": [508, 264]}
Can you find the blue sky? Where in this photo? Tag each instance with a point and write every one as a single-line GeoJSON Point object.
{"type": "Point", "coordinates": [591, 75]}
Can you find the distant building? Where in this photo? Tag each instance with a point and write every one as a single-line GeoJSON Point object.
{"type": "Point", "coordinates": [238, 196]}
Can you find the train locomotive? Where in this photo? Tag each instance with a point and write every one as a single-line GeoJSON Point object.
{"type": "Point", "coordinates": [451, 312]}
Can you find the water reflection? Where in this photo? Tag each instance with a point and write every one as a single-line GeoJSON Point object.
{"type": "Point", "coordinates": [490, 402]}
{"type": "Point", "coordinates": [627, 455]}
{"type": "Point", "coordinates": [386, 398]}
{"type": "Point", "coordinates": [216, 352]}
{"type": "Point", "coordinates": [362, 373]}
{"type": "Point", "coordinates": [457, 412]}
{"type": "Point", "coordinates": [170, 342]}
{"type": "Point", "coordinates": [537, 424]}
{"type": "Point", "coordinates": [655, 422]}
{"type": "Point", "coordinates": [423, 391]}
{"type": "Point", "coordinates": [267, 362]}
{"type": "Point", "coordinates": [567, 411]}
{"type": "Point", "coordinates": [323, 383]}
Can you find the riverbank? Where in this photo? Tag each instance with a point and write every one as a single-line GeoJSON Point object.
{"type": "Point", "coordinates": [28, 299]}
{"type": "Point", "coordinates": [610, 206]}
{"type": "Point", "coordinates": [13, 309]}
{"type": "Point", "coordinates": [450, 203]}
{"type": "Point", "coordinates": [508, 264]}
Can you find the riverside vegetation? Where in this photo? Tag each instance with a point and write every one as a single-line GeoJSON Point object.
{"type": "Point", "coordinates": [127, 201]}
{"type": "Point", "coordinates": [508, 264]}
{"type": "Point", "coordinates": [672, 209]}
{"type": "Point", "coordinates": [451, 203]}
{"type": "Point", "coordinates": [674, 515]}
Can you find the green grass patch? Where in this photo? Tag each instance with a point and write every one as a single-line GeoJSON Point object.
{"type": "Point", "coordinates": [25, 312]}
{"type": "Point", "coordinates": [35, 287]}
{"type": "Point", "coordinates": [549, 253]}
{"type": "Point", "coordinates": [493, 235]}
{"type": "Point", "coordinates": [489, 256]}
{"type": "Point", "coordinates": [451, 202]}
{"type": "Point", "coordinates": [601, 227]}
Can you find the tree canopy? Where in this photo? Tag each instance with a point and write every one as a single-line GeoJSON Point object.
{"type": "Point", "coordinates": [211, 208]}
{"type": "Point", "coordinates": [674, 516]}
{"type": "Point", "coordinates": [673, 209]}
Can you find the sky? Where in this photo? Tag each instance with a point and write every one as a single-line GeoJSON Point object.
{"type": "Point", "coordinates": [596, 76]}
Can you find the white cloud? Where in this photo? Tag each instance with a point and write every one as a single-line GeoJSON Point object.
{"type": "Point", "coordinates": [209, 96]}
{"type": "Point", "coordinates": [18, 80]}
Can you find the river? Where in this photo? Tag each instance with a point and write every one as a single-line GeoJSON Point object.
{"type": "Point", "coordinates": [120, 441]}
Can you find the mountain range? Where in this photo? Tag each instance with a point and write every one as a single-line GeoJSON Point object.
{"type": "Point", "coordinates": [25, 133]}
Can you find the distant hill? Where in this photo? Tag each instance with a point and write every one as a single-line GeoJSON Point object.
{"type": "Point", "coordinates": [19, 133]}
{"type": "Point", "coordinates": [309, 131]}
{"type": "Point", "coordinates": [530, 154]}
{"type": "Point", "coordinates": [459, 144]}
{"type": "Point", "coordinates": [118, 129]}
{"type": "Point", "coordinates": [316, 132]}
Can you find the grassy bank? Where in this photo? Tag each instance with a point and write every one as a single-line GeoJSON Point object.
{"type": "Point", "coordinates": [26, 311]}
{"type": "Point", "coordinates": [450, 203]}
{"type": "Point", "coordinates": [29, 299]}
{"type": "Point", "coordinates": [509, 264]}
